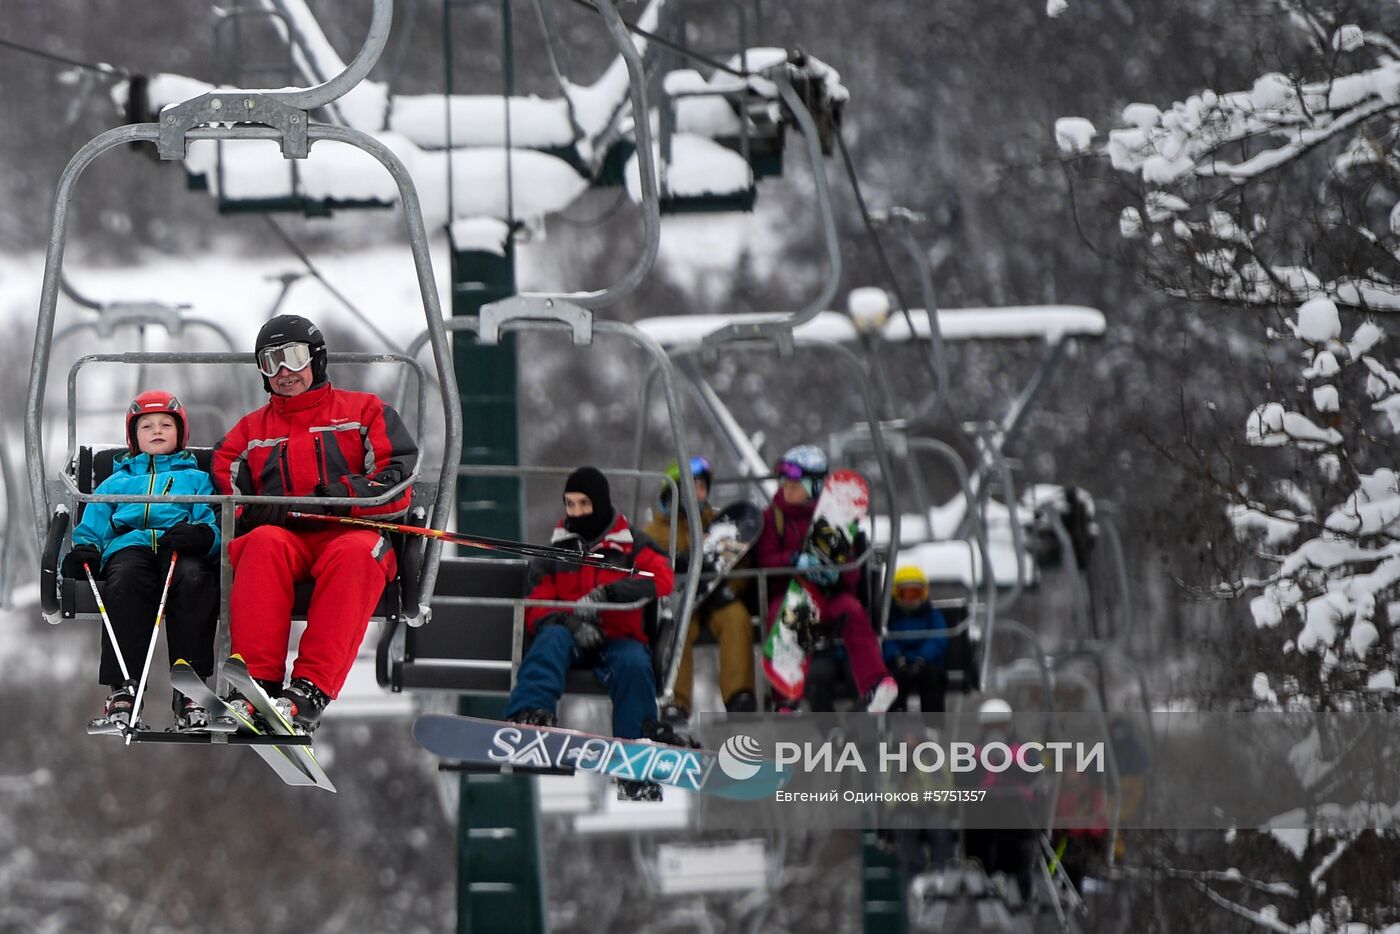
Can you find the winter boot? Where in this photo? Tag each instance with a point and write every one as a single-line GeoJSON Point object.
{"type": "Point", "coordinates": [302, 703]}
{"type": "Point", "coordinates": [533, 716]}
{"type": "Point", "coordinates": [879, 698]}
{"type": "Point", "coordinates": [742, 702]}
{"type": "Point", "coordinates": [630, 790]}
{"type": "Point", "coordinates": [189, 716]}
{"type": "Point", "coordinates": [116, 710]}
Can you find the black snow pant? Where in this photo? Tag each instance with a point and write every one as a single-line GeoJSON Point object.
{"type": "Point", "coordinates": [131, 585]}
{"type": "Point", "coordinates": [1004, 850]}
{"type": "Point", "coordinates": [930, 682]}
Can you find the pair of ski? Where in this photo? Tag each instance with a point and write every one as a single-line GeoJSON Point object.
{"type": "Point", "coordinates": [294, 763]}
{"type": "Point", "coordinates": [288, 752]}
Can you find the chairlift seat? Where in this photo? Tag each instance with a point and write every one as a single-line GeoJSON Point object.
{"type": "Point", "coordinates": [93, 465]}
{"type": "Point", "coordinates": [470, 647]}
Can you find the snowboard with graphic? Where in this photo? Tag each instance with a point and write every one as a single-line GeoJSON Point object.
{"type": "Point", "coordinates": [843, 505]}
{"type": "Point", "coordinates": [731, 534]}
{"type": "Point", "coordinates": [737, 770]}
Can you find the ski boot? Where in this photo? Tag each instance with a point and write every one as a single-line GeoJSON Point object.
{"type": "Point", "coordinates": [533, 716]}
{"type": "Point", "coordinates": [302, 702]}
{"type": "Point", "coordinates": [246, 711]}
{"type": "Point", "coordinates": [189, 716]}
{"type": "Point", "coordinates": [116, 711]}
{"type": "Point", "coordinates": [882, 695]}
{"type": "Point", "coordinates": [632, 790]}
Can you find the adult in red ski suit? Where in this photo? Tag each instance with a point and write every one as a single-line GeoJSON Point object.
{"type": "Point", "coordinates": [311, 439]}
{"type": "Point", "coordinates": [612, 642]}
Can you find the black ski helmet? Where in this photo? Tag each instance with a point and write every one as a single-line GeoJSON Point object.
{"type": "Point", "coordinates": [286, 329]}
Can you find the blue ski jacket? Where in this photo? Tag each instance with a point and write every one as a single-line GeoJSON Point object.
{"type": "Point", "coordinates": [114, 526]}
{"type": "Point", "coordinates": [932, 649]}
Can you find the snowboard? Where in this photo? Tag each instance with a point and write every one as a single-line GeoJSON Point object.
{"type": "Point", "coordinates": [842, 506]}
{"type": "Point", "coordinates": [737, 771]}
{"type": "Point", "coordinates": [731, 534]}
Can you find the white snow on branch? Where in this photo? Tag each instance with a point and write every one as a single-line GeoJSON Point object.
{"type": "Point", "coordinates": [1271, 425]}
{"type": "Point", "coordinates": [1318, 321]}
{"type": "Point", "coordinates": [1277, 527]}
{"type": "Point", "coordinates": [1074, 135]}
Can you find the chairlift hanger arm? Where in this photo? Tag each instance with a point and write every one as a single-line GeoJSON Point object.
{"type": "Point", "coordinates": [781, 331]}
{"type": "Point", "coordinates": [646, 172]}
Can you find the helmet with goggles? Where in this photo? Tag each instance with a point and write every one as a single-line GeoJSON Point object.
{"type": "Point", "coordinates": [290, 342]}
{"type": "Point", "coordinates": [700, 469]}
{"type": "Point", "coordinates": [910, 584]}
{"type": "Point", "coordinates": [805, 464]}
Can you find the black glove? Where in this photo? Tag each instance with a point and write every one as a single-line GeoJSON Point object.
{"type": "Point", "coordinates": [587, 636]}
{"type": "Point", "coordinates": [338, 488]}
{"type": "Point", "coordinates": [256, 514]}
{"type": "Point", "coordinates": [586, 608]}
{"type": "Point", "coordinates": [73, 562]}
{"type": "Point", "coordinates": [188, 539]}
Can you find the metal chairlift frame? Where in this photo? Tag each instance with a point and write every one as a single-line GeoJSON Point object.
{"type": "Point", "coordinates": [500, 317]}
{"type": "Point", "coordinates": [727, 427]}
{"type": "Point", "coordinates": [902, 221]}
{"type": "Point", "coordinates": [141, 314]}
{"type": "Point", "coordinates": [280, 116]}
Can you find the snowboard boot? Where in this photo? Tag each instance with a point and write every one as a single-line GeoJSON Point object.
{"type": "Point", "coordinates": [742, 702]}
{"type": "Point", "coordinates": [675, 715]}
{"type": "Point", "coordinates": [302, 703]}
{"type": "Point", "coordinates": [189, 716]}
{"type": "Point", "coordinates": [879, 698]}
{"type": "Point", "coordinates": [533, 716]}
{"type": "Point", "coordinates": [630, 790]}
{"type": "Point", "coordinates": [116, 710]}
{"type": "Point", "coordinates": [659, 731]}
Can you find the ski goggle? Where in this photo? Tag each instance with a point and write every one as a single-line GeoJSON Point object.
{"type": "Point", "coordinates": [295, 356]}
{"type": "Point", "coordinates": [909, 593]}
{"type": "Point", "coordinates": [789, 470]}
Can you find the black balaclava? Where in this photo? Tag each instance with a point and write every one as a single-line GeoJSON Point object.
{"type": "Point", "coordinates": [591, 483]}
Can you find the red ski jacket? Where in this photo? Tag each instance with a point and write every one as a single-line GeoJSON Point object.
{"type": "Point", "coordinates": [324, 435]}
{"type": "Point", "coordinates": [560, 580]}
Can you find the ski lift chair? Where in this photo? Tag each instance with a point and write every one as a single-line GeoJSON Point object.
{"type": "Point", "coordinates": [69, 598]}
{"type": "Point", "coordinates": [478, 639]}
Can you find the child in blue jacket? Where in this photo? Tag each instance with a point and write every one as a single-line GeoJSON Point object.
{"type": "Point", "coordinates": [129, 546]}
{"type": "Point", "coordinates": [919, 663]}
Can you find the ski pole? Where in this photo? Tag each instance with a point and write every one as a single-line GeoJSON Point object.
{"type": "Point", "coordinates": [523, 549]}
{"type": "Point", "coordinates": [107, 622]}
{"type": "Point", "coordinates": [150, 650]}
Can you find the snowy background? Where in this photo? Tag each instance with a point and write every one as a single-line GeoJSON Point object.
{"type": "Point", "coordinates": [957, 110]}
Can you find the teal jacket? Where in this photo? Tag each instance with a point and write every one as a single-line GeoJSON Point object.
{"type": "Point", "coordinates": [114, 526]}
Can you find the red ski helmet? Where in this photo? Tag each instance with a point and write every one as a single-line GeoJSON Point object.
{"type": "Point", "coordinates": [156, 401]}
